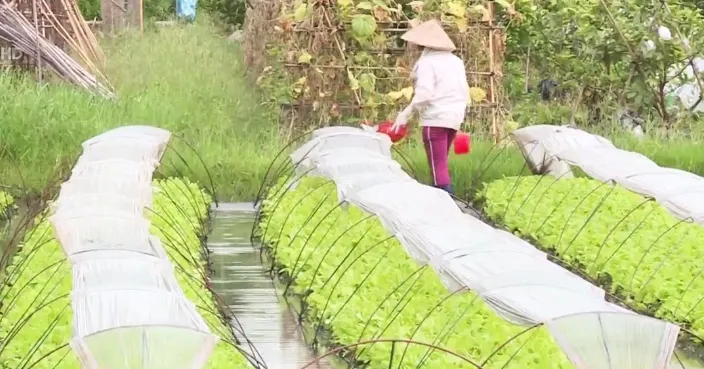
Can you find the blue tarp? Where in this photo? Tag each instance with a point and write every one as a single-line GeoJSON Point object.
{"type": "Point", "coordinates": [186, 9]}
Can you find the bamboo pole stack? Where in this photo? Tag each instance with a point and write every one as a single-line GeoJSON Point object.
{"type": "Point", "coordinates": [24, 36]}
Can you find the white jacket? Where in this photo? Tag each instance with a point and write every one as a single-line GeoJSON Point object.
{"type": "Point", "coordinates": [441, 91]}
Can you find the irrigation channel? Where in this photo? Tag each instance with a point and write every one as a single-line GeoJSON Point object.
{"type": "Point", "coordinates": [241, 281]}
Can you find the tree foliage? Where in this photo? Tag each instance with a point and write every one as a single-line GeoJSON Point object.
{"type": "Point", "coordinates": [610, 49]}
{"type": "Point", "coordinates": [157, 9]}
{"type": "Point", "coordinates": [230, 11]}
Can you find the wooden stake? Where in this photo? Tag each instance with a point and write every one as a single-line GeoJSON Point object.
{"type": "Point", "coordinates": [492, 87]}
{"type": "Point", "coordinates": [141, 17]}
{"type": "Point", "coordinates": [39, 47]}
{"type": "Point", "coordinates": [527, 69]}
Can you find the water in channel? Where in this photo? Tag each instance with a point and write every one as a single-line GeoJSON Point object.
{"type": "Point", "coordinates": [241, 281]}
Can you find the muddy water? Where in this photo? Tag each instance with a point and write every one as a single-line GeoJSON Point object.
{"type": "Point", "coordinates": [241, 281]}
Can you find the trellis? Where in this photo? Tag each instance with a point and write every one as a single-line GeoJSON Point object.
{"type": "Point", "coordinates": [324, 72]}
{"type": "Point", "coordinates": [119, 14]}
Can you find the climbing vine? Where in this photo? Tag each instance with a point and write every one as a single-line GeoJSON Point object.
{"type": "Point", "coordinates": [344, 60]}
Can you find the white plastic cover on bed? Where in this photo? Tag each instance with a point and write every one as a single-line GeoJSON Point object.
{"type": "Point", "coordinates": [102, 155]}
{"type": "Point", "coordinates": [96, 311]}
{"type": "Point", "coordinates": [153, 347]}
{"type": "Point", "coordinates": [407, 202]}
{"type": "Point", "coordinates": [539, 160]}
{"type": "Point", "coordinates": [128, 308]}
{"type": "Point", "coordinates": [680, 192]}
{"type": "Point", "coordinates": [97, 229]}
{"type": "Point", "coordinates": [515, 279]}
{"type": "Point", "coordinates": [332, 130]}
{"type": "Point", "coordinates": [135, 137]}
{"type": "Point", "coordinates": [147, 148]}
{"type": "Point", "coordinates": [361, 140]}
{"type": "Point", "coordinates": [589, 340]}
{"type": "Point", "coordinates": [110, 201]}
{"type": "Point", "coordinates": [125, 170]}
{"type": "Point", "coordinates": [122, 271]}
{"type": "Point", "coordinates": [349, 185]}
{"type": "Point", "coordinates": [138, 132]}
{"type": "Point", "coordinates": [337, 167]}
{"type": "Point", "coordinates": [100, 185]}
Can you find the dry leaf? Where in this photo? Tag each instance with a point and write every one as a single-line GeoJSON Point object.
{"type": "Point", "coordinates": [381, 14]}
{"type": "Point", "coordinates": [290, 56]}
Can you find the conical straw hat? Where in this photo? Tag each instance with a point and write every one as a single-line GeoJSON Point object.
{"type": "Point", "coordinates": [431, 35]}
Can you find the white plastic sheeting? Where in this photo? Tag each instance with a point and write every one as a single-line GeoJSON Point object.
{"type": "Point", "coordinates": [680, 192]}
{"type": "Point", "coordinates": [515, 279]}
{"type": "Point", "coordinates": [588, 339]}
{"type": "Point", "coordinates": [128, 309]}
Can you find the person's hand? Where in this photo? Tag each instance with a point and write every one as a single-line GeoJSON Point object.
{"type": "Point", "coordinates": [400, 121]}
{"type": "Point", "coordinates": [398, 125]}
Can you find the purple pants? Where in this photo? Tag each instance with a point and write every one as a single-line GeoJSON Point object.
{"type": "Point", "coordinates": [437, 141]}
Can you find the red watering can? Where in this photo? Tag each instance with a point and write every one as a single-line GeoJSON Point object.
{"type": "Point", "coordinates": [386, 128]}
{"type": "Point", "coordinates": [462, 143]}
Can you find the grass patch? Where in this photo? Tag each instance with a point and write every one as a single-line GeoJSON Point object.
{"type": "Point", "coordinates": [191, 81]}
{"type": "Point", "coordinates": [187, 79]}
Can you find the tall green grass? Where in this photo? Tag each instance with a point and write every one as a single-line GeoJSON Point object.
{"type": "Point", "coordinates": [191, 81]}
{"type": "Point", "coordinates": [187, 79]}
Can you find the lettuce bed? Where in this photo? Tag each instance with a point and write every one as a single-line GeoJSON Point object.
{"type": "Point", "coordinates": [357, 267]}
{"type": "Point", "coordinates": [634, 249]}
{"type": "Point", "coordinates": [35, 315]}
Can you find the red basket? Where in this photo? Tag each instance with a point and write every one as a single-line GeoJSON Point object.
{"type": "Point", "coordinates": [385, 128]}
{"type": "Point", "coordinates": [462, 143]}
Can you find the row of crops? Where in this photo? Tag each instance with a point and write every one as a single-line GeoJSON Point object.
{"type": "Point", "coordinates": [360, 285]}
{"type": "Point", "coordinates": [124, 282]}
{"type": "Point", "coordinates": [391, 274]}
{"type": "Point", "coordinates": [630, 245]}
{"type": "Point", "coordinates": [643, 250]}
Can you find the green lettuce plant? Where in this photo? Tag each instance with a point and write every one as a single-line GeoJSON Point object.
{"type": "Point", "coordinates": [630, 245]}
{"type": "Point", "coordinates": [358, 284]}
{"type": "Point", "coordinates": [35, 310]}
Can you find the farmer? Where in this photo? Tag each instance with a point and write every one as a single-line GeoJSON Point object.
{"type": "Point", "coordinates": [441, 96]}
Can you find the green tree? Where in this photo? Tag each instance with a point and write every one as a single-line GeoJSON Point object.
{"type": "Point", "coordinates": [609, 48]}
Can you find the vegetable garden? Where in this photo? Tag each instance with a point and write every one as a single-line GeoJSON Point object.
{"type": "Point", "coordinates": [381, 271]}
{"type": "Point", "coordinates": [376, 280]}
{"type": "Point", "coordinates": [52, 281]}
{"type": "Point", "coordinates": [357, 258]}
